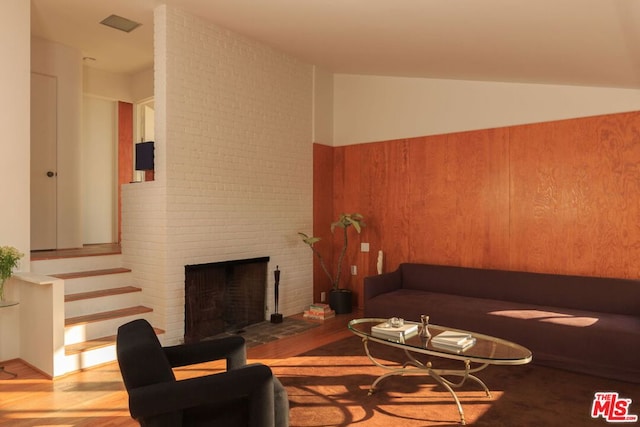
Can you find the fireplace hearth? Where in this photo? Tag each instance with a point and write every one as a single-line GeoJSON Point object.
{"type": "Point", "coordinates": [224, 296]}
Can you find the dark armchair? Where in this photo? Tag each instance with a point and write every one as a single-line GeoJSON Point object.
{"type": "Point", "coordinates": [243, 395]}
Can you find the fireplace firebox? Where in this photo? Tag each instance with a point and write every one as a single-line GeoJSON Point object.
{"type": "Point", "coordinates": [224, 296]}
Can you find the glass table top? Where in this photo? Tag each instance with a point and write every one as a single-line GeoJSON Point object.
{"type": "Point", "coordinates": [486, 349]}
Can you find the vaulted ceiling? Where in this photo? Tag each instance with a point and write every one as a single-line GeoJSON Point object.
{"type": "Point", "coordinates": [569, 42]}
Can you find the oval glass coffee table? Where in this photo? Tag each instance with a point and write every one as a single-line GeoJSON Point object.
{"type": "Point", "coordinates": [484, 351]}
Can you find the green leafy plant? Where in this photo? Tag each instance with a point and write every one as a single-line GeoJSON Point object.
{"type": "Point", "coordinates": [9, 258]}
{"type": "Point", "coordinates": [344, 221]}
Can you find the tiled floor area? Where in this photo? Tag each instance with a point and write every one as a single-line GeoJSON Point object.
{"type": "Point", "coordinates": [264, 332]}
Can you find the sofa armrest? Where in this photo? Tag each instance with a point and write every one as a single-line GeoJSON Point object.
{"type": "Point", "coordinates": [382, 283]}
{"type": "Point", "coordinates": [253, 382]}
{"type": "Point", "coordinates": [230, 348]}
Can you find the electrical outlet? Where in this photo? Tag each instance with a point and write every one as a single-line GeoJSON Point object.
{"type": "Point", "coordinates": [364, 247]}
{"type": "Point", "coordinates": [354, 270]}
{"type": "Point", "coordinates": [323, 296]}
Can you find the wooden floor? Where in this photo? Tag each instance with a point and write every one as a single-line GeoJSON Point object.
{"type": "Point", "coordinates": [96, 397]}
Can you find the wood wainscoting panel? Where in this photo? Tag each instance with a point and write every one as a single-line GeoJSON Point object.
{"type": "Point", "coordinates": [575, 188]}
{"type": "Point", "coordinates": [460, 199]}
{"type": "Point", "coordinates": [557, 197]}
{"type": "Point", "coordinates": [125, 153]}
{"type": "Point", "coordinates": [323, 171]}
{"type": "Point", "coordinates": [347, 187]}
{"type": "Point", "coordinates": [383, 199]}
{"type": "Point", "coordinates": [440, 199]}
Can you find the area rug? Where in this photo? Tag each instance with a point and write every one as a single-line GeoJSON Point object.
{"type": "Point", "coordinates": [328, 387]}
{"type": "Point", "coordinates": [264, 332]}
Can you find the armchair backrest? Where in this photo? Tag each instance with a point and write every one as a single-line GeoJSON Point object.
{"type": "Point", "coordinates": [140, 356]}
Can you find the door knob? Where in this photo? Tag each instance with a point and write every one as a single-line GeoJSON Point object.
{"type": "Point", "coordinates": [50, 174]}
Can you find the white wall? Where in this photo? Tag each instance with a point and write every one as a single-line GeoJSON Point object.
{"type": "Point", "coordinates": [130, 88]}
{"type": "Point", "coordinates": [142, 85]}
{"type": "Point", "coordinates": [66, 64]}
{"type": "Point", "coordinates": [99, 170]}
{"type": "Point", "coordinates": [102, 90]}
{"type": "Point", "coordinates": [42, 321]}
{"type": "Point", "coordinates": [375, 108]}
{"type": "Point", "coordinates": [14, 154]}
{"type": "Point", "coordinates": [233, 166]}
{"type": "Point", "coordinates": [107, 85]}
{"type": "Point", "coordinates": [322, 106]}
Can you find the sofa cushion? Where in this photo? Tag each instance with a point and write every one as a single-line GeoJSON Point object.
{"type": "Point", "coordinates": [592, 342]}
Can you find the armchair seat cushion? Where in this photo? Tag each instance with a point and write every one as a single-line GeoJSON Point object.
{"type": "Point", "coordinates": [235, 413]}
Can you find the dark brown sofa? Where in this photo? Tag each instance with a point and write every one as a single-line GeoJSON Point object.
{"type": "Point", "coordinates": [584, 324]}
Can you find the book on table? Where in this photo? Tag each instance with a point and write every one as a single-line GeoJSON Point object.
{"type": "Point", "coordinates": [453, 340]}
{"type": "Point", "coordinates": [319, 316]}
{"type": "Point", "coordinates": [319, 311]}
{"type": "Point", "coordinates": [319, 306]}
{"type": "Point", "coordinates": [384, 330]}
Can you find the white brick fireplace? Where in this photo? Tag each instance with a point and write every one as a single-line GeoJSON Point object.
{"type": "Point", "coordinates": [233, 176]}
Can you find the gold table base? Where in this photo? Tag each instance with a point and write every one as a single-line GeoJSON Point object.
{"type": "Point", "coordinates": [416, 367]}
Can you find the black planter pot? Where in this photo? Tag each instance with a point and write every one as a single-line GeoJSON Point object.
{"type": "Point", "coordinates": [340, 300]}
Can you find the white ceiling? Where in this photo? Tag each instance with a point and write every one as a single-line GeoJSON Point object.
{"type": "Point", "coordinates": [574, 42]}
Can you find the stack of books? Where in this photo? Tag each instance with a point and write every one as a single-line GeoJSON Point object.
{"type": "Point", "coordinates": [398, 333]}
{"type": "Point", "coordinates": [453, 341]}
{"type": "Point", "coordinates": [319, 311]}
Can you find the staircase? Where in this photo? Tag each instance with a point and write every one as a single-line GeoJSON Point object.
{"type": "Point", "coordinates": [98, 298]}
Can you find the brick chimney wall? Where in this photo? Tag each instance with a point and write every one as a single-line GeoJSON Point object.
{"type": "Point", "coordinates": [233, 176]}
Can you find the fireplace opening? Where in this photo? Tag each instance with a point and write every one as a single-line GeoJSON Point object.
{"type": "Point", "coordinates": [224, 297]}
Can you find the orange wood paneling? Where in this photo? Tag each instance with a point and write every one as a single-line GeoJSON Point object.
{"type": "Point", "coordinates": [346, 199]}
{"type": "Point", "coordinates": [460, 201]}
{"type": "Point", "coordinates": [125, 152]}
{"type": "Point", "coordinates": [389, 205]}
{"type": "Point", "coordinates": [576, 196]}
{"type": "Point", "coordinates": [380, 198]}
{"type": "Point", "coordinates": [560, 197]}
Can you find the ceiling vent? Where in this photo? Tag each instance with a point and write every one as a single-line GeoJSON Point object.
{"type": "Point", "coordinates": [120, 23]}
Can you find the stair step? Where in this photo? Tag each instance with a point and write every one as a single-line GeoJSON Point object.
{"type": "Point", "coordinates": [91, 273]}
{"type": "Point", "coordinates": [101, 293]}
{"type": "Point", "coordinates": [96, 343]}
{"type": "Point", "coordinates": [70, 265]}
{"type": "Point", "coordinates": [106, 315]}
{"type": "Point", "coordinates": [97, 283]}
{"type": "Point", "coordinates": [88, 250]}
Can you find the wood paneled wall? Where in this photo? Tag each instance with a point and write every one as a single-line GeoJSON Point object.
{"type": "Point", "coordinates": [559, 197]}
{"type": "Point", "coordinates": [322, 213]}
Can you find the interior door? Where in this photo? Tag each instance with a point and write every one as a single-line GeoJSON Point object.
{"type": "Point", "coordinates": [43, 161]}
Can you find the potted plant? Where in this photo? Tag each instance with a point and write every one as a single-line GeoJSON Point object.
{"type": "Point", "coordinates": [339, 299]}
{"type": "Point", "coordinates": [9, 257]}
